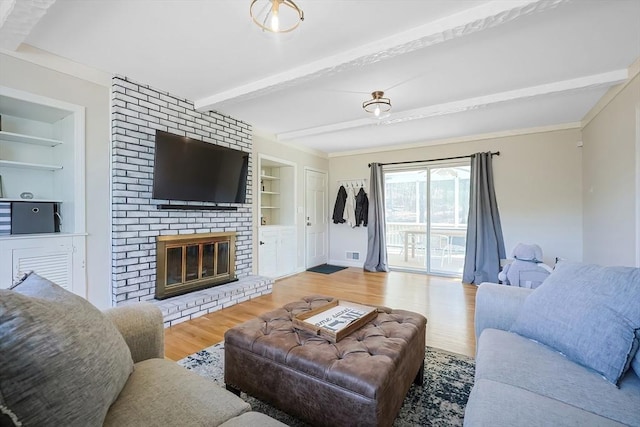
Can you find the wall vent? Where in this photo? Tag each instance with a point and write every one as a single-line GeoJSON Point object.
{"type": "Point", "coordinates": [353, 255]}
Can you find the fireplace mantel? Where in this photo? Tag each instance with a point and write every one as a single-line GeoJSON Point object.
{"type": "Point", "coordinates": [186, 263]}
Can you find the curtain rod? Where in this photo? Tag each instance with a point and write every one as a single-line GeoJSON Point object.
{"type": "Point", "coordinates": [496, 153]}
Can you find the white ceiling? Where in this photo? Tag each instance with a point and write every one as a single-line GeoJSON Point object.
{"type": "Point", "coordinates": [451, 68]}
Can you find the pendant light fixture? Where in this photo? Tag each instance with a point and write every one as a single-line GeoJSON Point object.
{"type": "Point", "coordinates": [276, 16]}
{"type": "Point", "coordinates": [377, 105]}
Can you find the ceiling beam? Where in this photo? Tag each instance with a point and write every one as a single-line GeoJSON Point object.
{"type": "Point", "coordinates": [565, 86]}
{"type": "Point", "coordinates": [18, 18]}
{"type": "Point", "coordinates": [479, 18]}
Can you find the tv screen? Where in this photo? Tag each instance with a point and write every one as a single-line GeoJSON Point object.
{"type": "Point", "coordinates": [191, 170]}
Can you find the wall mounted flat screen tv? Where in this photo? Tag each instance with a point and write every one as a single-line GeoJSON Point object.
{"type": "Point", "coordinates": [191, 170]}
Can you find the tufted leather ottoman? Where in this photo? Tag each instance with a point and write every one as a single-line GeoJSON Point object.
{"type": "Point", "coordinates": [360, 381]}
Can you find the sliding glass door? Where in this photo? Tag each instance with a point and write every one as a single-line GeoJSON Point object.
{"type": "Point", "coordinates": [426, 209]}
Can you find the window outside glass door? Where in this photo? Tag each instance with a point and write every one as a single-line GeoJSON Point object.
{"type": "Point", "coordinates": [426, 210]}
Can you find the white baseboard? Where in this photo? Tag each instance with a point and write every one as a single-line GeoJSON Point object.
{"type": "Point", "coordinates": [343, 263]}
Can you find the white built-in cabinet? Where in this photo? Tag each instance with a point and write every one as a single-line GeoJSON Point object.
{"type": "Point", "coordinates": [277, 235]}
{"type": "Point", "coordinates": [277, 254]}
{"type": "Point", "coordinates": [42, 152]}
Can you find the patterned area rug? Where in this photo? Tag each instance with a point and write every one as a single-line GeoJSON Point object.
{"type": "Point", "coordinates": [439, 402]}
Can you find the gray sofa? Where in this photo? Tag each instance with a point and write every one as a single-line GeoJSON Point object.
{"type": "Point", "coordinates": [160, 392]}
{"type": "Point", "coordinates": [63, 362]}
{"type": "Point", "coordinates": [521, 382]}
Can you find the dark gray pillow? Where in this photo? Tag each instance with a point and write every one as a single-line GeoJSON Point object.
{"type": "Point", "coordinates": [589, 313]}
{"type": "Point", "coordinates": [62, 361]}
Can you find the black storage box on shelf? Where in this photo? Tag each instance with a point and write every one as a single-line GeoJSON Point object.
{"type": "Point", "coordinates": [34, 217]}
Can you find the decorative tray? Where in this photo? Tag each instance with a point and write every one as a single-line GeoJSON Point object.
{"type": "Point", "coordinates": [335, 320]}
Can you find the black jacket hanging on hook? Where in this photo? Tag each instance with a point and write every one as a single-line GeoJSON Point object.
{"type": "Point", "coordinates": [338, 209]}
{"type": "Point", "coordinates": [362, 208]}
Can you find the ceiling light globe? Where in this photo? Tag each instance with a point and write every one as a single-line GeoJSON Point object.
{"type": "Point", "coordinates": [276, 16]}
{"type": "Point", "coordinates": [378, 105]}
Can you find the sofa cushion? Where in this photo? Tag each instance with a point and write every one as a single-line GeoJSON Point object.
{"type": "Point", "coordinates": [589, 313]}
{"type": "Point", "coordinates": [496, 404]}
{"type": "Point", "coordinates": [162, 393]}
{"type": "Point", "coordinates": [63, 362]}
{"type": "Point", "coordinates": [508, 358]}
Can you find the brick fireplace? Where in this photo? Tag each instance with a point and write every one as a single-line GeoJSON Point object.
{"type": "Point", "coordinates": [138, 220]}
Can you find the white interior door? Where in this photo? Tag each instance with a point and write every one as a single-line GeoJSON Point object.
{"type": "Point", "coordinates": [316, 218]}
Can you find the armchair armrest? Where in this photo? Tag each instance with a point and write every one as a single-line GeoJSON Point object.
{"type": "Point", "coordinates": [497, 306]}
{"type": "Point", "coordinates": [142, 328]}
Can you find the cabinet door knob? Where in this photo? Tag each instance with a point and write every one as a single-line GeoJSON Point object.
{"type": "Point", "coordinates": [261, 242]}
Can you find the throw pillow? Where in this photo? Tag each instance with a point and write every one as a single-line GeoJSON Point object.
{"type": "Point", "coordinates": [635, 363]}
{"type": "Point", "coordinates": [589, 313]}
{"type": "Point", "coordinates": [62, 361]}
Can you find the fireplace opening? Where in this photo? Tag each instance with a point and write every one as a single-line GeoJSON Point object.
{"type": "Point", "coordinates": [186, 263]}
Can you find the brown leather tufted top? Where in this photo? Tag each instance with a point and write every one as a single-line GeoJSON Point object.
{"type": "Point", "coordinates": [363, 363]}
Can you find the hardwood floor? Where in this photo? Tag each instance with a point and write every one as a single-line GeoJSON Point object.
{"type": "Point", "coordinates": [448, 305]}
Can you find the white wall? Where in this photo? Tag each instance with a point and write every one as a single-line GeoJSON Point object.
{"type": "Point", "coordinates": [538, 187]}
{"type": "Point", "coordinates": [609, 175]}
{"type": "Point", "coordinates": [266, 144]}
{"type": "Point", "coordinates": [26, 76]}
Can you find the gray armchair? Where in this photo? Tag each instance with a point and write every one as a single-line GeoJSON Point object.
{"type": "Point", "coordinates": [64, 362]}
{"type": "Point", "coordinates": [160, 392]}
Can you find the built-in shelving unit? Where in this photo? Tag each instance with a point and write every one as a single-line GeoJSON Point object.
{"type": "Point", "coordinates": [276, 192]}
{"type": "Point", "coordinates": [42, 153]}
{"type": "Point", "coordinates": [269, 193]}
{"type": "Point", "coordinates": [277, 240]}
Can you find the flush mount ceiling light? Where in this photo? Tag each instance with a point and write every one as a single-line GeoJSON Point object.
{"type": "Point", "coordinates": [378, 106]}
{"type": "Point", "coordinates": [276, 16]}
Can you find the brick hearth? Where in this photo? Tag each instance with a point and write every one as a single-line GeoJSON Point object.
{"type": "Point", "coordinates": [195, 304]}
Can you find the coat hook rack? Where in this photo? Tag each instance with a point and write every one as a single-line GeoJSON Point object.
{"type": "Point", "coordinates": [353, 183]}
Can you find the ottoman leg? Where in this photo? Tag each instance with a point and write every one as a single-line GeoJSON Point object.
{"type": "Point", "coordinates": [232, 389]}
{"type": "Point", "coordinates": [419, 380]}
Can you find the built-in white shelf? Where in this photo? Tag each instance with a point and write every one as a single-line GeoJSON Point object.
{"type": "Point", "coordinates": [269, 192]}
{"type": "Point", "coordinates": [270, 207]}
{"type": "Point", "coordinates": [28, 139]}
{"type": "Point", "coordinates": [269, 177]}
{"type": "Point", "coordinates": [17, 199]}
{"type": "Point", "coordinates": [23, 165]}
{"type": "Point", "coordinates": [40, 236]}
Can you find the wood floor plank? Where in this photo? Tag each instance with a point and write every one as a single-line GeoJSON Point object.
{"type": "Point", "coordinates": [448, 305]}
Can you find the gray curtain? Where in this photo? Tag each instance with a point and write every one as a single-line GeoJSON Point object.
{"type": "Point", "coordinates": [376, 228]}
{"type": "Point", "coordinates": [485, 245]}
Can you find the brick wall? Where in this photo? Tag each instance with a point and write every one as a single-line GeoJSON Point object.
{"type": "Point", "coordinates": [137, 112]}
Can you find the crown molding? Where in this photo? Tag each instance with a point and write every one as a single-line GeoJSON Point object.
{"type": "Point", "coordinates": [57, 63]}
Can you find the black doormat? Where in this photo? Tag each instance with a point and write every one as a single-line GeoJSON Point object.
{"type": "Point", "coordinates": [325, 268]}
